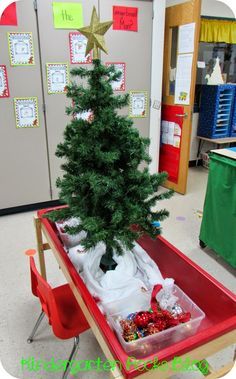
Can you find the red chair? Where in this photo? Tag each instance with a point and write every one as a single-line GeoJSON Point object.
{"type": "Point", "coordinates": [63, 312]}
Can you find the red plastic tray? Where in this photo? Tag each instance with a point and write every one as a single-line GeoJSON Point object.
{"type": "Point", "coordinates": [218, 303]}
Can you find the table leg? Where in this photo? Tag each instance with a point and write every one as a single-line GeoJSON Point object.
{"type": "Point", "coordinates": [200, 146]}
{"type": "Point", "coordinates": [40, 247]}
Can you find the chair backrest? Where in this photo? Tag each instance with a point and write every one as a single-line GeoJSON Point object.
{"type": "Point", "coordinates": [61, 310]}
{"type": "Point", "coordinates": [43, 291]}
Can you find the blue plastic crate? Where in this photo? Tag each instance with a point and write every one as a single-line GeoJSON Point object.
{"type": "Point", "coordinates": [233, 123]}
{"type": "Point", "coordinates": [216, 110]}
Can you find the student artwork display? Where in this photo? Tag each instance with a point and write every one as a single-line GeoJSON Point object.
{"type": "Point", "coordinates": [78, 43]}
{"type": "Point", "coordinates": [170, 133]}
{"type": "Point", "coordinates": [9, 15]}
{"type": "Point", "coordinates": [125, 18]}
{"type": "Point", "coordinates": [120, 84]}
{"type": "Point", "coordinates": [21, 49]}
{"type": "Point", "coordinates": [67, 15]}
{"type": "Point", "coordinates": [138, 104]}
{"type": "Point", "coordinates": [4, 90]}
{"type": "Point", "coordinates": [26, 112]}
{"type": "Point", "coordinates": [57, 77]}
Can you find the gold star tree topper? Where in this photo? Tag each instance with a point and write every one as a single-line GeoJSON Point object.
{"type": "Point", "coordinates": [95, 34]}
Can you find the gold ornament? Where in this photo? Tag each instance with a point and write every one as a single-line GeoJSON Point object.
{"type": "Point", "coordinates": [95, 34]}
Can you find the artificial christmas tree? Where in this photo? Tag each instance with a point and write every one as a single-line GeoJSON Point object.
{"type": "Point", "coordinates": [102, 183]}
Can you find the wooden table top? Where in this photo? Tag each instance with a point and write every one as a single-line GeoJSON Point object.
{"type": "Point", "coordinates": [219, 140]}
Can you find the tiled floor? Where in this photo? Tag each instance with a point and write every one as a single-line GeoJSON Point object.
{"type": "Point", "coordinates": [19, 308]}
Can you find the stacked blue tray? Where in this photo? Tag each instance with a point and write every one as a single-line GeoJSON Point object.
{"type": "Point", "coordinates": [233, 123]}
{"type": "Point", "coordinates": [216, 108]}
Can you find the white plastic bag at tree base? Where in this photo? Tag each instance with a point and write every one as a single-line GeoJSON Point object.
{"type": "Point", "coordinates": [77, 255]}
{"type": "Point", "coordinates": [134, 271]}
{"type": "Point", "coordinates": [68, 239]}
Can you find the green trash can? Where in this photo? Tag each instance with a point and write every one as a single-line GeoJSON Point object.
{"type": "Point", "coordinates": [218, 228]}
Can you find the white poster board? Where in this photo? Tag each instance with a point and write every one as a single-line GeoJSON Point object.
{"type": "Point", "coordinates": [186, 38]}
{"type": "Point", "coordinates": [183, 79]}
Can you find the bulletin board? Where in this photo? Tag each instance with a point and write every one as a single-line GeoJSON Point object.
{"type": "Point", "coordinates": [134, 48]}
{"type": "Point", "coordinates": [23, 150]}
{"type": "Point", "coordinates": [55, 48]}
{"type": "Point", "coordinates": [31, 168]}
{"type": "Point", "coordinates": [129, 47]}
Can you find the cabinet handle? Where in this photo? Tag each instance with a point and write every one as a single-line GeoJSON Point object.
{"type": "Point", "coordinates": [182, 115]}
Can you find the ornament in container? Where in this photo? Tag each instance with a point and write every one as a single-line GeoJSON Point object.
{"type": "Point", "coordinates": [164, 313]}
{"type": "Point", "coordinates": [69, 240]}
{"type": "Point", "coordinates": [141, 331]}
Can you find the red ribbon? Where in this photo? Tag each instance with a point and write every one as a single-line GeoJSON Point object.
{"type": "Point", "coordinates": [155, 291]}
{"type": "Point", "coordinates": [171, 320]}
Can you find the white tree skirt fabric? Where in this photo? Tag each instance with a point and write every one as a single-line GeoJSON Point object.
{"type": "Point", "coordinates": [134, 271]}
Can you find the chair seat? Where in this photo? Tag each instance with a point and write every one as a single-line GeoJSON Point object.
{"type": "Point", "coordinates": [70, 313]}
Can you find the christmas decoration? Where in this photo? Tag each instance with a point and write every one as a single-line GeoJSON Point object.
{"type": "Point", "coordinates": [176, 310]}
{"type": "Point", "coordinates": [95, 34]}
{"type": "Point", "coordinates": [145, 323]}
{"type": "Point", "coordinates": [131, 316]}
{"type": "Point", "coordinates": [103, 185]}
{"type": "Point", "coordinates": [165, 296]}
{"type": "Point", "coordinates": [142, 319]}
{"type": "Point", "coordinates": [152, 329]}
{"type": "Point", "coordinates": [161, 324]}
{"type": "Point", "coordinates": [184, 317]}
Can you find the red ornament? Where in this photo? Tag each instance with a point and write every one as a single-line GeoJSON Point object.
{"type": "Point", "coordinates": [155, 316]}
{"type": "Point", "coordinates": [167, 314]}
{"type": "Point", "coordinates": [160, 324]}
{"type": "Point", "coordinates": [142, 319]}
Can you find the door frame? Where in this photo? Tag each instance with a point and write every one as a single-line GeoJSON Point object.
{"type": "Point", "coordinates": [158, 33]}
{"type": "Point", "coordinates": [173, 14]}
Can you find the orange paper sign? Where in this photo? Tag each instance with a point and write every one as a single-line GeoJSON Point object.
{"type": "Point", "coordinates": [125, 18]}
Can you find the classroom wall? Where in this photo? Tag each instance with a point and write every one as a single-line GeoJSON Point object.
{"type": "Point", "coordinates": [216, 9]}
{"type": "Point", "coordinates": [212, 8]}
{"type": "Point", "coordinates": [169, 3]}
{"type": "Point", "coordinates": [28, 164]}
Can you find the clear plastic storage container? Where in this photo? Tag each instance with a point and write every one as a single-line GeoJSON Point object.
{"type": "Point", "coordinates": [155, 342]}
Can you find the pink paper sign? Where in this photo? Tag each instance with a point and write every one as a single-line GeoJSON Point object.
{"type": "Point", "coordinates": [125, 18]}
{"type": "Point", "coordinates": [9, 16]}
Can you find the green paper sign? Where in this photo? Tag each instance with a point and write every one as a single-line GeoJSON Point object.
{"type": "Point", "coordinates": [67, 15]}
